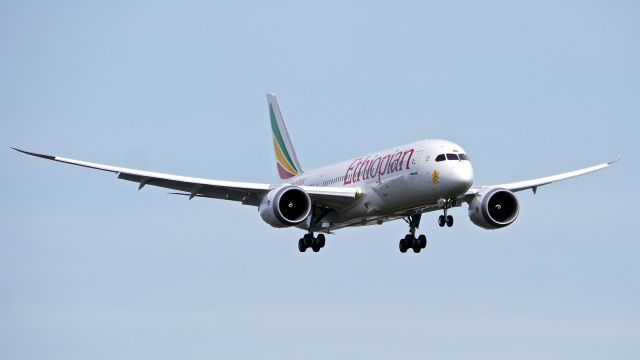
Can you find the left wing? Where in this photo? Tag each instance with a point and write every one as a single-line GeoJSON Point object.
{"type": "Point", "coordinates": [245, 192]}
{"type": "Point", "coordinates": [535, 183]}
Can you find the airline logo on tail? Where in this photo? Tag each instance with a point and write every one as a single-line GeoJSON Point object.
{"type": "Point", "coordinates": [287, 162]}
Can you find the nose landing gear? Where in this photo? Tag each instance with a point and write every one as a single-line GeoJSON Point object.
{"type": "Point", "coordinates": [445, 219]}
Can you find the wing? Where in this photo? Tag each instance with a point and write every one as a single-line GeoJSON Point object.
{"type": "Point", "coordinates": [245, 192]}
{"type": "Point", "coordinates": [535, 183]}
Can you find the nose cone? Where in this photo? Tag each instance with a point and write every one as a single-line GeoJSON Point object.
{"type": "Point", "coordinates": [462, 177]}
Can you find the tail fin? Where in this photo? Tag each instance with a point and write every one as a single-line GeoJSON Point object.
{"type": "Point", "coordinates": [288, 164]}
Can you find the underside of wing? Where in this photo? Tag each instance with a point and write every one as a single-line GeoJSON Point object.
{"type": "Point", "coordinates": [535, 183]}
{"type": "Point", "coordinates": [245, 192]}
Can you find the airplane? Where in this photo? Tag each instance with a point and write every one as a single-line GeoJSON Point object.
{"type": "Point", "coordinates": [397, 183]}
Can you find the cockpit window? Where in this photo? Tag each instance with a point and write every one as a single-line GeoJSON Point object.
{"type": "Point", "coordinates": [440, 158]}
{"type": "Point", "coordinates": [463, 156]}
{"type": "Point", "coordinates": [452, 157]}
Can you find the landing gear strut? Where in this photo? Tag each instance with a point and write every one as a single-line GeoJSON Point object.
{"type": "Point", "coordinates": [410, 241]}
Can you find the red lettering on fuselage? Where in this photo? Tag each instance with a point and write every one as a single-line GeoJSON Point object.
{"type": "Point", "coordinates": [363, 169]}
{"type": "Point", "coordinates": [348, 175]}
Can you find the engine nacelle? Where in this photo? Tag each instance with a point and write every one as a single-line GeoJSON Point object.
{"type": "Point", "coordinates": [494, 208]}
{"type": "Point", "coordinates": [285, 206]}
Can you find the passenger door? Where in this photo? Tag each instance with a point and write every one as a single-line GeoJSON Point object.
{"type": "Point", "coordinates": [414, 165]}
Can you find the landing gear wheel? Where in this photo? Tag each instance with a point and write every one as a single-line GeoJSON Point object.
{"type": "Point", "coordinates": [441, 220]}
{"type": "Point", "coordinates": [449, 221]}
{"type": "Point", "coordinates": [422, 241]}
{"type": "Point", "coordinates": [308, 240]}
{"type": "Point", "coordinates": [413, 243]}
{"type": "Point", "coordinates": [403, 246]}
{"type": "Point", "coordinates": [416, 243]}
{"type": "Point", "coordinates": [409, 241]}
{"type": "Point", "coordinates": [320, 241]}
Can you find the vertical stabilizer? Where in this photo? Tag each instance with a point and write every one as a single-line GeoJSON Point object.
{"type": "Point", "coordinates": [287, 161]}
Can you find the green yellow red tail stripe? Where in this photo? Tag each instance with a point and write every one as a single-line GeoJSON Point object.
{"type": "Point", "coordinates": [287, 162]}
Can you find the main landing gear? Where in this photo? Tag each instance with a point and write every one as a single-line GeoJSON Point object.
{"type": "Point", "coordinates": [410, 241]}
{"type": "Point", "coordinates": [445, 219]}
{"type": "Point", "coordinates": [308, 241]}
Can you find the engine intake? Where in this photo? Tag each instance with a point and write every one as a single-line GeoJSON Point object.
{"type": "Point", "coordinates": [285, 206]}
{"type": "Point", "coordinates": [494, 208]}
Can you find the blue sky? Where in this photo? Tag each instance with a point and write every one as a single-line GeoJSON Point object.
{"type": "Point", "coordinates": [92, 268]}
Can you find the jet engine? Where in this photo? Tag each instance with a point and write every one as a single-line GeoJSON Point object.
{"type": "Point", "coordinates": [285, 206]}
{"type": "Point", "coordinates": [494, 208]}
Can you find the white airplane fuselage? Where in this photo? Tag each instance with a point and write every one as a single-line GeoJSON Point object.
{"type": "Point", "coordinates": [393, 181]}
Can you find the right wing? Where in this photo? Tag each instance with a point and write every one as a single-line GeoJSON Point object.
{"type": "Point", "coordinates": [247, 193]}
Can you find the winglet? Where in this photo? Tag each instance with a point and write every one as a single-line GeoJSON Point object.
{"type": "Point", "coordinates": [48, 157]}
{"type": "Point", "coordinates": [614, 160]}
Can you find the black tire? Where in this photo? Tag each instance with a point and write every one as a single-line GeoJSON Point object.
{"type": "Point", "coordinates": [441, 220]}
{"type": "Point", "coordinates": [422, 240]}
{"type": "Point", "coordinates": [449, 220]}
{"type": "Point", "coordinates": [301, 245]}
{"type": "Point", "coordinates": [416, 249]}
{"type": "Point", "coordinates": [321, 240]}
{"type": "Point", "coordinates": [308, 240]}
{"type": "Point", "coordinates": [315, 248]}
{"type": "Point", "coordinates": [403, 247]}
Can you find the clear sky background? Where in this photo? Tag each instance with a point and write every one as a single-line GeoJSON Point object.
{"type": "Point", "coordinates": [90, 268]}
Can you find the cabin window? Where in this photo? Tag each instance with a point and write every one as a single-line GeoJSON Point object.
{"type": "Point", "coordinates": [463, 157]}
{"type": "Point", "coordinates": [440, 158]}
{"type": "Point", "coordinates": [452, 157]}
